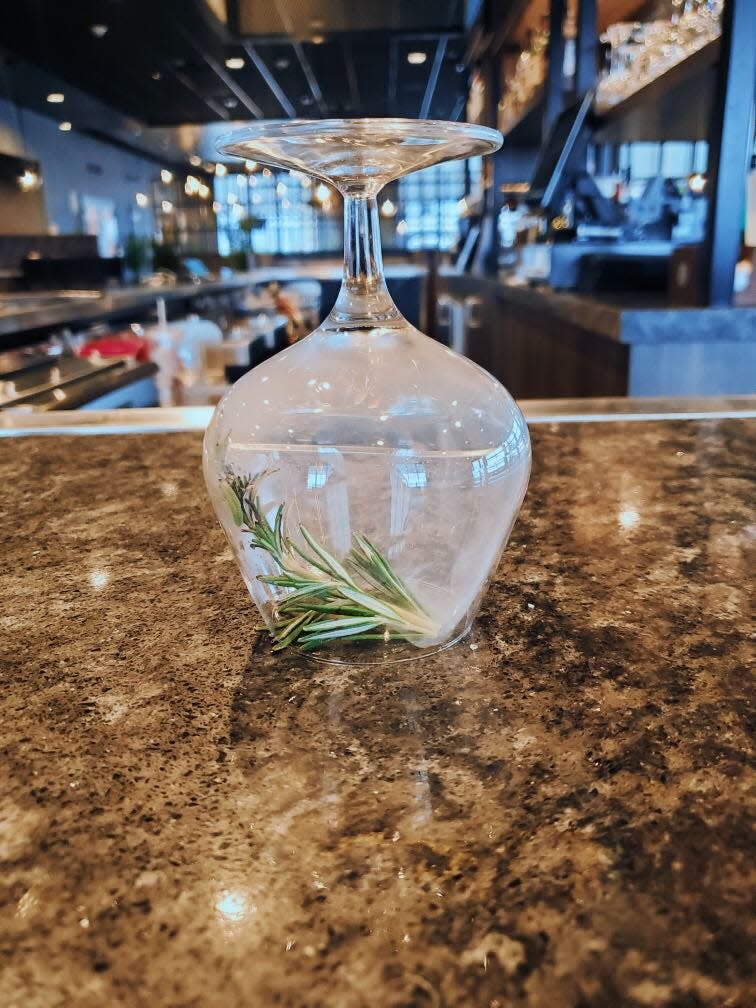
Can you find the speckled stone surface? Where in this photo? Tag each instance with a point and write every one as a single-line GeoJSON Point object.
{"type": "Point", "coordinates": [553, 815]}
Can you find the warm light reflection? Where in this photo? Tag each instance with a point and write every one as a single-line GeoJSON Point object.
{"type": "Point", "coordinates": [629, 518]}
{"type": "Point", "coordinates": [28, 180]}
{"type": "Point", "coordinates": [98, 578]}
{"type": "Point", "coordinates": [697, 183]}
{"type": "Point", "coordinates": [232, 905]}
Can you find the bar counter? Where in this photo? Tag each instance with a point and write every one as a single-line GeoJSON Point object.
{"type": "Point", "coordinates": [550, 343]}
{"type": "Point", "coordinates": [29, 312]}
{"type": "Point", "coordinates": [551, 814]}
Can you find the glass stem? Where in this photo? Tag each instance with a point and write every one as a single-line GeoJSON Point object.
{"type": "Point", "coordinates": [364, 298]}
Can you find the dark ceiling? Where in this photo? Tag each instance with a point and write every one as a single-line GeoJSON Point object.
{"type": "Point", "coordinates": [163, 62]}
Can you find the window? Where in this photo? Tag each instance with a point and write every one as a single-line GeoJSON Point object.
{"type": "Point", "coordinates": [272, 212]}
{"type": "Point", "coordinates": [429, 203]}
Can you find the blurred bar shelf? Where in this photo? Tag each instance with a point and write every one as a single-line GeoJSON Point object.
{"type": "Point", "coordinates": [525, 130]}
{"type": "Point", "coordinates": [675, 105]}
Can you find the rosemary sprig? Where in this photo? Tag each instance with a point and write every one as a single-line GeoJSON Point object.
{"type": "Point", "coordinates": [361, 598]}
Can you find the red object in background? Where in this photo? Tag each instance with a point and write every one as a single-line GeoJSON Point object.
{"type": "Point", "coordinates": [124, 344]}
{"type": "Point", "coordinates": [284, 305]}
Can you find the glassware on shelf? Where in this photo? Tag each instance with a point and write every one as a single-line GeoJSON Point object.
{"type": "Point", "coordinates": [367, 478]}
{"type": "Point", "coordinates": [528, 76]}
{"type": "Point", "coordinates": [641, 52]}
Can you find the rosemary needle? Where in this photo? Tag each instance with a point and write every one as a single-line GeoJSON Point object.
{"type": "Point", "coordinates": [359, 598]}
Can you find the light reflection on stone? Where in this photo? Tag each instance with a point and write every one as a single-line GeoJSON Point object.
{"type": "Point", "coordinates": [629, 518]}
{"type": "Point", "coordinates": [98, 578]}
{"type": "Point", "coordinates": [233, 905]}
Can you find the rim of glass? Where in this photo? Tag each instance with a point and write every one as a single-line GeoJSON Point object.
{"type": "Point", "coordinates": [232, 143]}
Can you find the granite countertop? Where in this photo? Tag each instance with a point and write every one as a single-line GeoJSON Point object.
{"type": "Point", "coordinates": [552, 815]}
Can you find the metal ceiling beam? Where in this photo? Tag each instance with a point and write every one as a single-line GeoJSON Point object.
{"type": "Point", "coordinates": [354, 90]}
{"type": "Point", "coordinates": [312, 81]}
{"type": "Point", "coordinates": [364, 35]}
{"type": "Point", "coordinates": [430, 87]}
{"type": "Point", "coordinates": [458, 108]}
{"type": "Point", "coordinates": [189, 84]}
{"type": "Point", "coordinates": [393, 74]}
{"type": "Point", "coordinates": [432, 35]}
{"type": "Point", "coordinates": [264, 71]}
{"type": "Point", "coordinates": [233, 87]}
{"type": "Point", "coordinates": [220, 72]}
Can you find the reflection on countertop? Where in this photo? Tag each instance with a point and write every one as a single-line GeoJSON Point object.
{"type": "Point", "coordinates": [175, 419]}
{"type": "Point", "coordinates": [550, 814]}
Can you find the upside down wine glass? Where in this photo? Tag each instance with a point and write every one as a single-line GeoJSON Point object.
{"type": "Point", "coordinates": [367, 478]}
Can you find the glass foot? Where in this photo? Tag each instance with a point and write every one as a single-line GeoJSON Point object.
{"type": "Point", "coordinates": [382, 654]}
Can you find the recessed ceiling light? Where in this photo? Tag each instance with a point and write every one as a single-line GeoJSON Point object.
{"type": "Point", "coordinates": [417, 58]}
{"type": "Point", "coordinates": [141, 199]}
{"type": "Point", "coordinates": [195, 160]}
{"type": "Point", "coordinates": [64, 127]}
{"type": "Point", "coordinates": [220, 170]}
{"type": "Point", "coordinates": [156, 75]}
{"type": "Point", "coordinates": [282, 63]}
{"type": "Point", "coordinates": [318, 39]}
{"type": "Point", "coordinates": [55, 97]}
{"type": "Point", "coordinates": [230, 102]}
{"type": "Point", "coordinates": [235, 63]}
{"type": "Point", "coordinates": [99, 30]}
{"type": "Point", "coordinates": [166, 176]}
{"type": "Point", "coordinates": [305, 100]}
{"type": "Point", "coordinates": [250, 165]}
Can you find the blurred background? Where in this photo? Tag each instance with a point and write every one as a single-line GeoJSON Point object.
{"type": "Point", "coordinates": [606, 250]}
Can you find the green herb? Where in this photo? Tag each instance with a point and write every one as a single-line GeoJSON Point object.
{"type": "Point", "coordinates": [356, 599]}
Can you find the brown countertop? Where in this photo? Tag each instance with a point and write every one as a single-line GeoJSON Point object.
{"type": "Point", "coordinates": [553, 815]}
